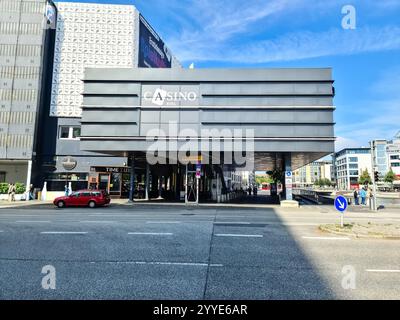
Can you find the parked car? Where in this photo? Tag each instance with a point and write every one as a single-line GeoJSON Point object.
{"type": "Point", "coordinates": [90, 198]}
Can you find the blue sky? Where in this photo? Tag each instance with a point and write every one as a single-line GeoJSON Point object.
{"type": "Point", "coordinates": [296, 33]}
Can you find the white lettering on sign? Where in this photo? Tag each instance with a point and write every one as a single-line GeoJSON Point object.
{"type": "Point", "coordinates": [162, 97]}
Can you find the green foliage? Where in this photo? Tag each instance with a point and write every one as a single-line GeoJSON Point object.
{"type": "Point", "coordinates": [3, 188]}
{"type": "Point", "coordinates": [365, 178]}
{"type": "Point", "coordinates": [262, 179]}
{"type": "Point", "coordinates": [19, 188]}
{"type": "Point", "coordinates": [390, 176]}
{"type": "Point", "coordinates": [276, 176]}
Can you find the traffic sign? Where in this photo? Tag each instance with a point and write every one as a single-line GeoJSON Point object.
{"type": "Point", "coordinates": [340, 203]}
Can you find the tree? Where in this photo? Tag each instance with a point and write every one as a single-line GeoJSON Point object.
{"type": "Point", "coordinates": [390, 176]}
{"type": "Point", "coordinates": [365, 178]}
{"type": "Point", "coordinates": [263, 179]}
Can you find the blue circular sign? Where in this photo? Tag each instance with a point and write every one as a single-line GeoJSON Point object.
{"type": "Point", "coordinates": [340, 203]}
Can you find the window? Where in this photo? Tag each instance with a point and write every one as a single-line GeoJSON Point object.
{"type": "Point", "coordinates": [2, 176]}
{"type": "Point", "coordinates": [395, 157]}
{"type": "Point", "coordinates": [64, 132]}
{"type": "Point", "coordinates": [353, 166]}
{"type": "Point", "coordinates": [353, 159]}
{"type": "Point", "coordinates": [76, 132]}
{"type": "Point", "coordinates": [396, 164]}
{"type": "Point", "coordinates": [67, 132]}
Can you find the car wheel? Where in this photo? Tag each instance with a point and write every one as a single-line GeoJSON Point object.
{"type": "Point", "coordinates": [60, 204]}
{"type": "Point", "coordinates": [92, 204]}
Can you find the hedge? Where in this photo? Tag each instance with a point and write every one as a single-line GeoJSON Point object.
{"type": "Point", "coordinates": [19, 188]}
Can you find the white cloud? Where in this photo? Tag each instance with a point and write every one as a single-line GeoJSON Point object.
{"type": "Point", "coordinates": [296, 46]}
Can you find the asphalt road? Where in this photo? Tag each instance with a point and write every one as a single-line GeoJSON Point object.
{"type": "Point", "coordinates": [168, 252]}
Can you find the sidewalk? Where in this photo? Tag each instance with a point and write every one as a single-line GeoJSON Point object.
{"type": "Point", "coordinates": [17, 204]}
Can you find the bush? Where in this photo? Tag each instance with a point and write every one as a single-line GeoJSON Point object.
{"type": "Point", "coordinates": [3, 188]}
{"type": "Point", "coordinates": [19, 188]}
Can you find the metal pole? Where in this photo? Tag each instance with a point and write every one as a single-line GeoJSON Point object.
{"type": "Point", "coordinates": [147, 181]}
{"type": "Point", "coordinates": [186, 184]}
{"type": "Point", "coordinates": [374, 205]}
{"type": "Point", "coordinates": [132, 180]}
{"type": "Point", "coordinates": [197, 190]}
{"type": "Point", "coordinates": [341, 220]}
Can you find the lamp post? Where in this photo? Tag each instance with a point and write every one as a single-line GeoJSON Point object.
{"type": "Point", "coordinates": [374, 205]}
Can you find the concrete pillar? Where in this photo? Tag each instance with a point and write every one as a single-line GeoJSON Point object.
{"type": "Point", "coordinates": [132, 180]}
{"type": "Point", "coordinates": [28, 180]}
{"type": "Point", "coordinates": [147, 182]}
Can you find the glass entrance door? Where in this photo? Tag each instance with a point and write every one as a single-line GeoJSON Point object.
{"type": "Point", "coordinates": [104, 180]}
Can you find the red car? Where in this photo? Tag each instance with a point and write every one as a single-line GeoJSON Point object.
{"type": "Point", "coordinates": [91, 198]}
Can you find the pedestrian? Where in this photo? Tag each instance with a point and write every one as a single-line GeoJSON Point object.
{"type": "Point", "coordinates": [249, 190]}
{"type": "Point", "coordinates": [13, 190]}
{"type": "Point", "coordinates": [363, 195]}
{"type": "Point", "coordinates": [66, 190]}
{"type": "Point", "coordinates": [31, 189]}
{"type": "Point", "coordinates": [255, 190]}
{"type": "Point", "coordinates": [9, 191]}
{"type": "Point", "coordinates": [356, 195]}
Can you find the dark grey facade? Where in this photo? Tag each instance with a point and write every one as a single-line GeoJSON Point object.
{"type": "Point", "coordinates": [289, 110]}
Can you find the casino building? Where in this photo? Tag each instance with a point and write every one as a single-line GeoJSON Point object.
{"type": "Point", "coordinates": [214, 119]}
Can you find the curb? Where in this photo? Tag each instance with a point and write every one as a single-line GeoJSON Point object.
{"type": "Point", "coordinates": [357, 235]}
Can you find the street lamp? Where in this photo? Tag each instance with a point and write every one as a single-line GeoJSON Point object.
{"type": "Point", "coordinates": [374, 180]}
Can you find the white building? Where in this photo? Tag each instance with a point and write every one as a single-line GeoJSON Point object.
{"type": "Point", "coordinates": [349, 164]}
{"type": "Point", "coordinates": [307, 176]}
{"type": "Point", "coordinates": [97, 35]}
{"type": "Point", "coordinates": [248, 178]}
{"type": "Point", "coordinates": [393, 154]}
{"type": "Point", "coordinates": [90, 35]}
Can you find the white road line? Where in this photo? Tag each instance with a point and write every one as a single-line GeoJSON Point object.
{"type": "Point", "coordinates": [383, 270]}
{"type": "Point", "coordinates": [239, 235]}
{"type": "Point", "coordinates": [326, 238]}
{"type": "Point", "coordinates": [164, 263]}
{"type": "Point", "coordinates": [299, 224]}
{"type": "Point", "coordinates": [228, 222]}
{"type": "Point", "coordinates": [63, 232]}
{"type": "Point", "coordinates": [96, 221]}
{"type": "Point", "coordinates": [162, 222]}
{"type": "Point", "coordinates": [28, 221]}
{"type": "Point", "coordinates": [151, 233]}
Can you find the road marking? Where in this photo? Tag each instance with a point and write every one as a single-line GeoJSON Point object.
{"type": "Point", "coordinates": [151, 233]}
{"type": "Point", "coordinates": [239, 235]}
{"type": "Point", "coordinates": [63, 232]}
{"type": "Point", "coordinates": [326, 238]}
{"type": "Point", "coordinates": [164, 263]}
{"type": "Point", "coordinates": [162, 222]}
{"type": "Point", "coordinates": [228, 222]}
{"type": "Point", "coordinates": [383, 270]}
{"type": "Point", "coordinates": [96, 221]}
{"type": "Point", "coordinates": [299, 224]}
{"type": "Point", "coordinates": [28, 221]}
